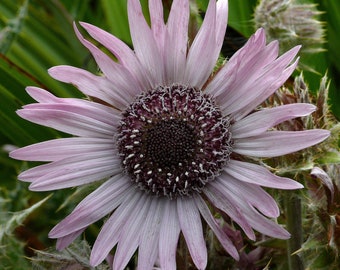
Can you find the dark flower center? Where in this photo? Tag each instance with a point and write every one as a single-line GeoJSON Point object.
{"type": "Point", "coordinates": [169, 143]}
{"type": "Point", "coordinates": [173, 141]}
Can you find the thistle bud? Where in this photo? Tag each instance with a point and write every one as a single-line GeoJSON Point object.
{"type": "Point", "coordinates": [291, 23]}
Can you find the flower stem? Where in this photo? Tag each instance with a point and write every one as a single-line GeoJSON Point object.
{"type": "Point", "coordinates": [294, 226]}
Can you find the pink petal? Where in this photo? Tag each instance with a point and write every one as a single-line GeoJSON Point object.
{"type": "Point", "coordinates": [324, 177]}
{"type": "Point", "coordinates": [255, 174]}
{"type": "Point", "coordinates": [66, 240]}
{"type": "Point", "coordinates": [177, 41]}
{"type": "Point", "coordinates": [95, 206]}
{"type": "Point", "coordinates": [259, 85]}
{"type": "Point", "coordinates": [190, 221]}
{"type": "Point", "coordinates": [221, 23]}
{"type": "Point", "coordinates": [266, 145]}
{"type": "Point", "coordinates": [221, 236]}
{"type": "Point", "coordinates": [112, 229]}
{"type": "Point", "coordinates": [78, 105]}
{"type": "Point", "coordinates": [72, 123]}
{"type": "Point", "coordinates": [258, 122]}
{"type": "Point", "coordinates": [264, 225]}
{"type": "Point", "coordinates": [267, 92]}
{"type": "Point", "coordinates": [58, 149]}
{"type": "Point", "coordinates": [228, 75]}
{"type": "Point", "coordinates": [168, 236]}
{"type": "Point", "coordinates": [69, 172]}
{"type": "Point", "coordinates": [228, 206]}
{"type": "Point", "coordinates": [41, 95]}
{"type": "Point", "coordinates": [157, 23]}
{"type": "Point", "coordinates": [123, 53]}
{"type": "Point", "coordinates": [91, 85]}
{"type": "Point", "coordinates": [32, 174]}
{"type": "Point", "coordinates": [144, 43]}
{"type": "Point", "coordinates": [251, 193]}
{"type": "Point", "coordinates": [254, 218]}
{"type": "Point", "coordinates": [201, 59]}
{"type": "Point", "coordinates": [131, 233]}
{"type": "Point", "coordinates": [106, 115]}
{"type": "Point", "coordinates": [149, 238]}
{"type": "Point", "coordinates": [115, 72]}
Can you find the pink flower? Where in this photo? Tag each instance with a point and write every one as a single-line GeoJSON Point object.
{"type": "Point", "coordinates": [168, 141]}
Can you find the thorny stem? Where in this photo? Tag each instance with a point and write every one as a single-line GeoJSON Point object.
{"type": "Point", "coordinates": [294, 226]}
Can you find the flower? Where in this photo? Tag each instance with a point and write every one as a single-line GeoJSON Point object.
{"type": "Point", "coordinates": [170, 139]}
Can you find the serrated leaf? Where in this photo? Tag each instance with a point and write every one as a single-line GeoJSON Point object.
{"type": "Point", "coordinates": [74, 257]}
{"type": "Point", "coordinates": [17, 219]}
{"type": "Point", "coordinates": [12, 255]}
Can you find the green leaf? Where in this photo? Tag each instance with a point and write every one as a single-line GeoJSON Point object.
{"type": "Point", "coordinates": [74, 257]}
{"type": "Point", "coordinates": [12, 250]}
{"type": "Point", "coordinates": [12, 96]}
{"type": "Point", "coordinates": [13, 28]}
{"type": "Point", "coordinates": [241, 15]}
{"type": "Point", "coordinates": [328, 158]}
{"type": "Point", "coordinates": [7, 226]}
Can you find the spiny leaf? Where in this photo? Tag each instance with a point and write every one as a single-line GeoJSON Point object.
{"type": "Point", "coordinates": [17, 218]}
{"type": "Point", "coordinates": [74, 257]}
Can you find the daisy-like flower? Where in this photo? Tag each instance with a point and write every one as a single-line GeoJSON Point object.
{"type": "Point", "coordinates": [168, 137]}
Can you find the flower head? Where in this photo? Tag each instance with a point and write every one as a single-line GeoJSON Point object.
{"type": "Point", "coordinates": [170, 139]}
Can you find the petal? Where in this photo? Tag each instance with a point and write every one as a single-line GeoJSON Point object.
{"type": "Point", "coordinates": [122, 51]}
{"type": "Point", "coordinates": [66, 240]}
{"type": "Point", "coordinates": [266, 145]}
{"type": "Point", "coordinates": [32, 174]}
{"type": "Point", "coordinates": [177, 41]}
{"type": "Point", "coordinates": [144, 43]}
{"type": "Point", "coordinates": [221, 23]}
{"type": "Point", "coordinates": [111, 230]}
{"type": "Point", "coordinates": [41, 95]}
{"type": "Point", "coordinates": [253, 217]}
{"type": "Point", "coordinates": [191, 225]}
{"type": "Point", "coordinates": [251, 193]}
{"type": "Point", "coordinates": [69, 122]}
{"type": "Point", "coordinates": [264, 225]}
{"type": "Point", "coordinates": [228, 206]}
{"type": "Point", "coordinates": [260, 83]}
{"type": "Point", "coordinates": [157, 23]}
{"type": "Point", "coordinates": [258, 122]}
{"type": "Point", "coordinates": [168, 236]}
{"type": "Point", "coordinates": [88, 109]}
{"type": "Point", "coordinates": [228, 75]}
{"type": "Point", "coordinates": [267, 92]}
{"type": "Point", "coordinates": [58, 149]}
{"type": "Point", "coordinates": [255, 174]}
{"type": "Point", "coordinates": [91, 85]}
{"type": "Point", "coordinates": [95, 206]}
{"type": "Point", "coordinates": [131, 233]}
{"type": "Point", "coordinates": [201, 60]}
{"type": "Point", "coordinates": [44, 97]}
{"type": "Point", "coordinates": [325, 179]}
{"type": "Point", "coordinates": [115, 72]}
{"type": "Point", "coordinates": [221, 236]}
{"type": "Point", "coordinates": [69, 172]}
{"type": "Point", "coordinates": [149, 238]}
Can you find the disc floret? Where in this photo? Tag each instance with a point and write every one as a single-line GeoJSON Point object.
{"type": "Point", "coordinates": [173, 140]}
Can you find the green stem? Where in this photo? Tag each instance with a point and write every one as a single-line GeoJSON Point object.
{"type": "Point", "coordinates": [294, 226]}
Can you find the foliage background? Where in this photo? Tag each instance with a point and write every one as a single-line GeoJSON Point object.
{"type": "Point", "coordinates": [38, 34]}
